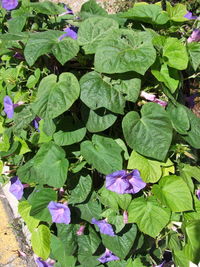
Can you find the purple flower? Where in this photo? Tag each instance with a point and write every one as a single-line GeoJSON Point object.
{"type": "Point", "coordinates": [35, 123]}
{"type": "Point", "coordinates": [105, 228]}
{"type": "Point", "coordinates": [69, 32]}
{"type": "Point", "coordinates": [81, 230]}
{"type": "Point", "coordinates": [41, 263]}
{"type": "Point", "coordinates": [160, 102]}
{"type": "Point", "coordinates": [18, 56]}
{"type": "Point", "coordinates": [68, 11]}
{"type": "Point", "coordinates": [198, 193]}
{"type": "Point", "coordinates": [153, 98]}
{"type": "Point", "coordinates": [189, 15]}
{"type": "Point", "coordinates": [108, 256]}
{"type": "Point", "coordinates": [9, 4]}
{"type": "Point", "coordinates": [16, 187]}
{"type": "Point", "coordinates": [136, 183]}
{"type": "Point", "coordinates": [60, 212]}
{"type": "Point", "coordinates": [8, 107]}
{"type": "Point", "coordinates": [122, 182]}
{"type": "Point", "coordinates": [160, 265]}
{"type": "Point", "coordinates": [195, 36]}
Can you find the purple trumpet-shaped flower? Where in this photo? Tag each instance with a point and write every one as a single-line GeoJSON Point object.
{"type": "Point", "coordinates": [9, 4]}
{"type": "Point", "coordinates": [81, 230]}
{"type": "Point", "coordinates": [104, 227]}
{"type": "Point", "coordinates": [16, 187]}
{"type": "Point", "coordinates": [122, 182]}
{"type": "Point", "coordinates": [195, 36]}
{"type": "Point", "coordinates": [69, 32]}
{"type": "Point", "coordinates": [152, 98]}
{"type": "Point", "coordinates": [60, 212]}
{"type": "Point", "coordinates": [189, 15]}
{"type": "Point", "coordinates": [8, 107]}
{"type": "Point", "coordinates": [41, 263]}
{"type": "Point", "coordinates": [108, 256]}
{"type": "Point", "coordinates": [198, 194]}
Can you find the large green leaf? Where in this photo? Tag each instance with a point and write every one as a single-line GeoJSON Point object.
{"type": "Point", "coordinates": [82, 190]}
{"type": "Point", "coordinates": [194, 53]}
{"type": "Point", "coordinates": [103, 153]}
{"type": "Point", "coordinates": [97, 93]}
{"type": "Point", "coordinates": [89, 243]}
{"type": "Point", "coordinates": [47, 7]}
{"type": "Point", "coordinates": [24, 210]}
{"type": "Point", "coordinates": [179, 118]}
{"type": "Point", "coordinates": [50, 165]}
{"type": "Point", "coordinates": [150, 170]}
{"type": "Point", "coordinates": [147, 13]}
{"type": "Point", "coordinates": [172, 188]}
{"type": "Point", "coordinates": [149, 215]}
{"type": "Point", "coordinates": [93, 30]}
{"type": "Point", "coordinates": [175, 53]}
{"type": "Point", "coordinates": [125, 50]}
{"type": "Point", "coordinates": [192, 136]}
{"type": "Point", "coordinates": [91, 8]}
{"type": "Point", "coordinates": [42, 43]}
{"type": "Point", "coordinates": [121, 244]}
{"type": "Point", "coordinates": [40, 241]}
{"type": "Point", "coordinates": [192, 246]}
{"type": "Point", "coordinates": [39, 201]}
{"type": "Point", "coordinates": [151, 134]}
{"type": "Point", "coordinates": [55, 97]}
{"type": "Point", "coordinates": [177, 12]}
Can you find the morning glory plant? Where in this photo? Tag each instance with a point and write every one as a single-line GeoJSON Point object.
{"type": "Point", "coordinates": [103, 152]}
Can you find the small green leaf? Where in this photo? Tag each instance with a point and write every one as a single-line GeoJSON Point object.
{"type": "Point", "coordinates": [194, 53]}
{"type": "Point", "coordinates": [171, 188]}
{"type": "Point", "coordinates": [149, 215]}
{"type": "Point", "coordinates": [40, 241]}
{"type": "Point", "coordinates": [24, 210]}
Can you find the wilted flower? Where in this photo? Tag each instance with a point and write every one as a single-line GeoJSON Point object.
{"type": "Point", "coordinates": [16, 187]}
{"type": "Point", "coordinates": [189, 15]}
{"type": "Point", "coordinates": [81, 230]}
{"type": "Point", "coordinates": [152, 98]}
{"type": "Point", "coordinates": [9, 4]}
{"type": "Point", "coordinates": [8, 107]}
{"type": "Point", "coordinates": [198, 193]}
{"type": "Point", "coordinates": [60, 212]}
{"type": "Point", "coordinates": [41, 263]}
{"type": "Point", "coordinates": [104, 227]}
{"type": "Point", "coordinates": [195, 36]}
{"type": "Point", "coordinates": [122, 182]}
{"type": "Point", "coordinates": [18, 56]}
{"type": "Point", "coordinates": [69, 32]}
{"type": "Point", "coordinates": [108, 256]}
{"type": "Point", "coordinates": [125, 217]}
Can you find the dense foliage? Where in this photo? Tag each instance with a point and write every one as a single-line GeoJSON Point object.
{"type": "Point", "coordinates": [100, 133]}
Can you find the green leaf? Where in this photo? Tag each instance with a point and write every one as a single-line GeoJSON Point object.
{"type": "Point", "coordinates": [192, 136]}
{"type": "Point", "coordinates": [58, 251]}
{"type": "Point", "coordinates": [168, 75]}
{"type": "Point", "coordinates": [114, 200]}
{"type": "Point", "coordinates": [24, 147]}
{"type": "Point", "coordinates": [151, 134]}
{"type": "Point", "coordinates": [125, 50]}
{"type": "Point", "coordinates": [191, 171]}
{"type": "Point", "coordinates": [172, 188]}
{"type": "Point", "coordinates": [93, 30]}
{"type": "Point", "coordinates": [81, 191]}
{"type": "Point", "coordinates": [192, 247]}
{"type": "Point", "coordinates": [24, 210]}
{"type": "Point", "coordinates": [89, 210]}
{"type": "Point", "coordinates": [136, 263]}
{"type": "Point", "coordinates": [193, 215]}
{"type": "Point", "coordinates": [33, 79]}
{"type": "Point", "coordinates": [177, 12]}
{"type": "Point", "coordinates": [150, 170]}
{"type": "Point", "coordinates": [47, 8]}
{"type": "Point", "coordinates": [44, 138]}
{"type": "Point", "coordinates": [67, 234]}
{"type": "Point", "coordinates": [91, 8]}
{"type": "Point", "coordinates": [103, 153]}
{"type": "Point", "coordinates": [39, 201]}
{"type": "Point", "coordinates": [98, 120]}
{"type": "Point", "coordinates": [181, 259]}
{"type": "Point", "coordinates": [175, 53]}
{"type": "Point", "coordinates": [55, 97]}
{"type": "Point", "coordinates": [50, 165]}
{"type": "Point", "coordinates": [179, 118]}
{"type": "Point", "coordinates": [97, 93]}
{"type": "Point", "coordinates": [40, 241]}
{"type": "Point", "coordinates": [89, 243]}
{"type": "Point", "coordinates": [149, 215]}
{"type": "Point", "coordinates": [194, 54]}
{"type": "Point", "coordinates": [42, 43]}
{"type": "Point", "coordinates": [147, 13]}
{"type": "Point", "coordinates": [121, 244]}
